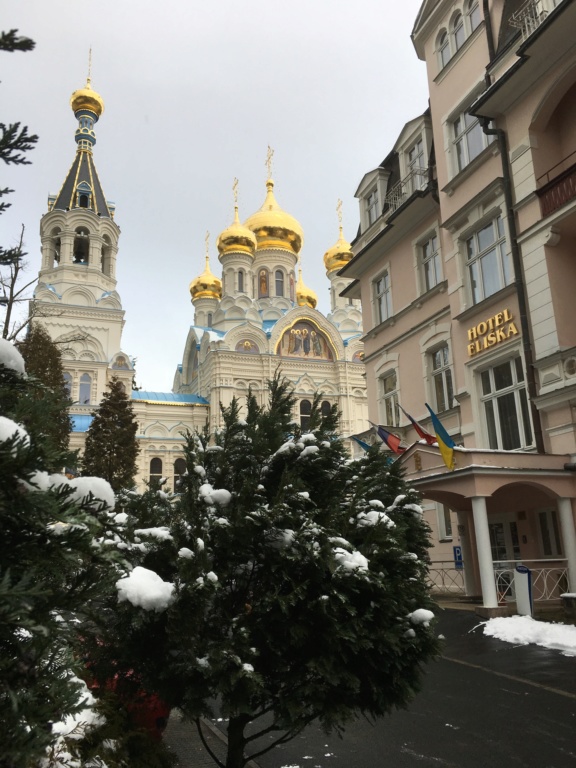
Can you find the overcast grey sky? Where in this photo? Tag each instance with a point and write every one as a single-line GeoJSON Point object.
{"type": "Point", "coordinates": [194, 93]}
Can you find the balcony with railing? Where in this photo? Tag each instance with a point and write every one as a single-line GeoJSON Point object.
{"type": "Point", "coordinates": [557, 186]}
{"type": "Point", "coordinates": [417, 179]}
{"type": "Point", "coordinates": [531, 15]}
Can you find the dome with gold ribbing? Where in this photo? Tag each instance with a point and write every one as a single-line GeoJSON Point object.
{"type": "Point", "coordinates": [341, 253]}
{"type": "Point", "coordinates": [206, 285]}
{"type": "Point", "coordinates": [86, 99]}
{"type": "Point", "coordinates": [273, 227]}
{"type": "Point", "coordinates": [305, 297]}
{"type": "Point", "coordinates": [236, 238]}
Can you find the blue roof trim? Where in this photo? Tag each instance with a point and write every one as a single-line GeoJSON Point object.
{"type": "Point", "coordinates": [81, 422]}
{"type": "Point", "coordinates": [267, 325]}
{"type": "Point", "coordinates": [169, 397]}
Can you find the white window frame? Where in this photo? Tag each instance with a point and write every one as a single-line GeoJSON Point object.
{"type": "Point", "coordinates": [388, 398]}
{"type": "Point", "coordinates": [477, 255]}
{"type": "Point", "coordinates": [443, 48]}
{"type": "Point", "coordinates": [490, 399]}
{"type": "Point", "coordinates": [445, 525]}
{"type": "Point", "coordinates": [469, 9]}
{"type": "Point", "coordinates": [441, 371]}
{"type": "Point", "coordinates": [464, 130]}
{"type": "Point", "coordinates": [373, 207]}
{"type": "Point", "coordinates": [434, 258]}
{"type": "Point", "coordinates": [382, 297]}
{"type": "Point", "coordinates": [455, 30]}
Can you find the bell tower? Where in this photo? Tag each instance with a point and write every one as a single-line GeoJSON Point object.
{"type": "Point", "coordinates": [76, 299]}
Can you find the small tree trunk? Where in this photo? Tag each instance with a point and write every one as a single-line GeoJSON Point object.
{"type": "Point", "coordinates": [236, 742]}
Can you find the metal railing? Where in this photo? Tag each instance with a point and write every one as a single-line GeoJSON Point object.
{"type": "Point", "coordinates": [549, 578]}
{"type": "Point", "coordinates": [444, 578]}
{"type": "Point", "coordinates": [400, 192]}
{"type": "Point", "coordinates": [530, 15]}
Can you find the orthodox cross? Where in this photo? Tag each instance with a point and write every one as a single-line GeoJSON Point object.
{"type": "Point", "coordinates": [269, 156]}
{"type": "Point", "coordinates": [235, 190]}
{"type": "Point", "coordinates": [339, 211]}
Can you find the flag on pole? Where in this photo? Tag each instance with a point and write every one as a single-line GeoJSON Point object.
{"type": "Point", "coordinates": [422, 433]}
{"type": "Point", "coordinates": [361, 443]}
{"type": "Point", "coordinates": [445, 442]}
{"type": "Point", "coordinates": [392, 441]}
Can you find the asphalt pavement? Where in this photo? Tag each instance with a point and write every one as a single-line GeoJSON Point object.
{"type": "Point", "coordinates": [484, 704]}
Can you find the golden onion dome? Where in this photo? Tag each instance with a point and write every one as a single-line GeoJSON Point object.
{"type": "Point", "coordinates": [206, 285]}
{"type": "Point", "coordinates": [339, 255]}
{"type": "Point", "coordinates": [305, 297]}
{"type": "Point", "coordinates": [86, 98]}
{"type": "Point", "coordinates": [236, 238]}
{"type": "Point", "coordinates": [273, 227]}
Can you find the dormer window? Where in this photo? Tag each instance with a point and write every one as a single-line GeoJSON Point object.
{"type": "Point", "coordinates": [83, 195]}
{"type": "Point", "coordinates": [416, 167]}
{"type": "Point", "coordinates": [372, 207]}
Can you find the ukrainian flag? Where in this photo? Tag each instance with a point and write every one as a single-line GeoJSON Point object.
{"type": "Point", "coordinates": [445, 442]}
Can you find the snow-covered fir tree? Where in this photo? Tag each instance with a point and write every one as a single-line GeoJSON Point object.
{"type": "Point", "coordinates": [57, 563]}
{"type": "Point", "coordinates": [111, 447]}
{"type": "Point", "coordinates": [287, 583]}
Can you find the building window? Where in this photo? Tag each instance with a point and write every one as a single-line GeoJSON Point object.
{"type": "Point", "coordinates": [325, 409]}
{"type": "Point", "coordinates": [240, 281]}
{"type": "Point", "coordinates": [430, 255]}
{"type": "Point", "coordinates": [473, 13]}
{"type": "Point", "coordinates": [443, 49]}
{"type": "Point", "coordinates": [442, 379]}
{"type": "Point", "coordinates": [458, 31]}
{"type": "Point", "coordinates": [382, 297]}
{"type": "Point", "coordinates": [179, 472]}
{"type": "Point", "coordinates": [85, 389]}
{"type": "Point", "coordinates": [209, 320]}
{"type": "Point", "coordinates": [469, 139]}
{"type": "Point", "coordinates": [68, 384]}
{"type": "Point", "coordinates": [390, 413]}
{"type": "Point", "coordinates": [488, 262]}
{"type": "Point", "coordinates": [416, 167]}
{"type": "Point", "coordinates": [372, 207]}
{"type": "Point", "coordinates": [550, 533]}
{"type": "Point", "coordinates": [279, 277]}
{"type": "Point", "coordinates": [444, 523]}
{"type": "Point", "coordinates": [155, 472]}
{"type": "Point", "coordinates": [305, 411]}
{"type": "Point", "coordinates": [506, 406]}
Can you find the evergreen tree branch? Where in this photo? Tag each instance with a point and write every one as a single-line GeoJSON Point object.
{"type": "Point", "coordinates": [10, 42]}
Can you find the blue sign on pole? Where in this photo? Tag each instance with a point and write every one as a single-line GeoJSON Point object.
{"type": "Point", "coordinates": [458, 561]}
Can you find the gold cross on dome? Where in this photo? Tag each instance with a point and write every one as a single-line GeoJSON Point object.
{"type": "Point", "coordinates": [88, 79]}
{"type": "Point", "coordinates": [207, 241]}
{"type": "Point", "coordinates": [269, 156]}
{"type": "Point", "coordinates": [339, 211]}
{"type": "Point", "coordinates": [235, 190]}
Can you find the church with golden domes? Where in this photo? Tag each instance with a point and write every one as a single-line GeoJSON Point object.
{"type": "Point", "coordinates": [256, 318]}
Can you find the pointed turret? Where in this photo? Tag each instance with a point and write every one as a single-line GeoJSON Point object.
{"type": "Point", "coordinates": [81, 187]}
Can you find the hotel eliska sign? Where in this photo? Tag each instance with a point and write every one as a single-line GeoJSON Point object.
{"type": "Point", "coordinates": [488, 333]}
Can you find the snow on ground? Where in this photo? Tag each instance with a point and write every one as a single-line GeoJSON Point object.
{"type": "Point", "coordinates": [522, 630]}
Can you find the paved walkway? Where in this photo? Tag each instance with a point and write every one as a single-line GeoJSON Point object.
{"type": "Point", "coordinates": [184, 741]}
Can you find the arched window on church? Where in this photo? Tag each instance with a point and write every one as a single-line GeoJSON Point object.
{"type": "Point", "coordinates": [55, 245]}
{"type": "Point", "coordinates": [279, 282]}
{"type": "Point", "coordinates": [325, 408]}
{"type": "Point", "coordinates": [106, 253]}
{"type": "Point", "coordinates": [85, 389]}
{"type": "Point", "coordinates": [179, 472]}
{"type": "Point", "coordinates": [241, 288]}
{"type": "Point", "coordinates": [305, 411]}
{"type": "Point", "coordinates": [68, 384]}
{"type": "Point", "coordinates": [83, 200]}
{"type": "Point", "coordinates": [155, 472]}
{"type": "Point", "coordinates": [209, 320]}
{"type": "Point", "coordinates": [81, 245]}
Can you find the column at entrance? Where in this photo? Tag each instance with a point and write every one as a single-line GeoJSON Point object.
{"type": "Point", "coordinates": [485, 564]}
{"type": "Point", "coordinates": [569, 538]}
{"type": "Point", "coordinates": [464, 534]}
